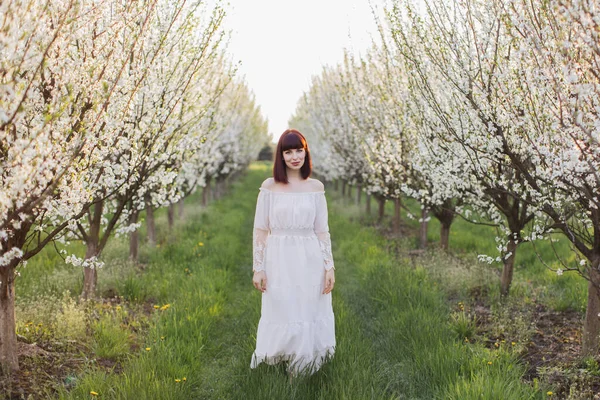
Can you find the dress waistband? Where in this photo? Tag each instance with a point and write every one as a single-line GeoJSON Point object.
{"type": "Point", "coordinates": [293, 232]}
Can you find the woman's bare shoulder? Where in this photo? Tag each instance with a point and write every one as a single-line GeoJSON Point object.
{"type": "Point", "coordinates": [316, 185]}
{"type": "Point", "coordinates": [268, 183]}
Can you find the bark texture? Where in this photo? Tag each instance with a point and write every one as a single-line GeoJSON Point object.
{"type": "Point", "coordinates": [508, 268]}
{"type": "Point", "coordinates": [445, 235]}
{"type": "Point", "coordinates": [591, 326]}
{"type": "Point", "coordinates": [8, 337]}
{"type": "Point", "coordinates": [90, 275]}
{"type": "Point", "coordinates": [381, 202]}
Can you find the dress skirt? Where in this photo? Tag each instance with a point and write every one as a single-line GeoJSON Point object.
{"type": "Point", "coordinates": [297, 321]}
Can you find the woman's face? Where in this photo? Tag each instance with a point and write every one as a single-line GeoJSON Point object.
{"type": "Point", "coordinates": [294, 158]}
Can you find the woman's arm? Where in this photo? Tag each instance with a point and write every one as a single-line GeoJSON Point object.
{"type": "Point", "coordinates": [259, 239]}
{"type": "Point", "coordinates": [322, 232]}
{"type": "Point", "coordinates": [322, 229]}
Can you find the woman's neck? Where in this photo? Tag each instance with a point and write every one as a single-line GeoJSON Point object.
{"type": "Point", "coordinates": [293, 175]}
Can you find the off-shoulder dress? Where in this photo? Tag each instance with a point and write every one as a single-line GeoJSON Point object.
{"type": "Point", "coordinates": [293, 246]}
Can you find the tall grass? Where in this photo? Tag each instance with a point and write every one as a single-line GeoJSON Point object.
{"type": "Point", "coordinates": [395, 338]}
{"type": "Point", "coordinates": [533, 281]}
{"type": "Point", "coordinates": [408, 320]}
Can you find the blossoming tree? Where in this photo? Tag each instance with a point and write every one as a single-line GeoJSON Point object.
{"type": "Point", "coordinates": [551, 94]}
{"type": "Point", "coordinates": [104, 101]}
{"type": "Point", "coordinates": [452, 52]}
{"type": "Point", "coordinates": [62, 65]}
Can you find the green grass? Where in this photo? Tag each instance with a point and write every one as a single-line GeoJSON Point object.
{"type": "Point", "coordinates": [395, 335]}
{"type": "Point", "coordinates": [463, 324]}
{"type": "Point", "coordinates": [532, 280]}
{"type": "Point", "coordinates": [110, 341]}
{"type": "Point", "coordinates": [413, 332]}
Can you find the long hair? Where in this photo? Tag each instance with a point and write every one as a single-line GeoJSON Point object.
{"type": "Point", "coordinates": [291, 139]}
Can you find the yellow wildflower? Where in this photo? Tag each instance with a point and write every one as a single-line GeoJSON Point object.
{"type": "Point", "coordinates": [184, 379]}
{"type": "Point", "coordinates": [147, 348]}
{"type": "Point", "coordinates": [156, 306]}
{"type": "Point", "coordinates": [200, 244]}
{"type": "Point", "coordinates": [177, 380]}
{"type": "Point", "coordinates": [163, 308]}
{"type": "Point", "coordinates": [489, 363]}
{"type": "Point", "coordinates": [94, 393]}
{"type": "Point", "coordinates": [549, 393]}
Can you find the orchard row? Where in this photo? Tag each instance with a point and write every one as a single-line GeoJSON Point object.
{"type": "Point", "coordinates": [108, 108]}
{"type": "Point", "coordinates": [478, 109]}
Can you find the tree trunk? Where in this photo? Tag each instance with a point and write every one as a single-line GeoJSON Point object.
{"type": "Point", "coordinates": [133, 237]}
{"type": "Point", "coordinates": [209, 191]}
{"type": "Point", "coordinates": [171, 215]}
{"type": "Point", "coordinates": [397, 208]}
{"type": "Point", "coordinates": [337, 186]}
{"type": "Point", "coordinates": [219, 188]}
{"type": "Point", "coordinates": [591, 326]}
{"type": "Point", "coordinates": [214, 193]}
{"type": "Point", "coordinates": [90, 280]}
{"type": "Point", "coordinates": [507, 270]}
{"type": "Point", "coordinates": [8, 336]}
{"type": "Point", "coordinates": [205, 194]}
{"type": "Point", "coordinates": [424, 226]}
{"type": "Point", "coordinates": [368, 204]}
{"type": "Point", "coordinates": [358, 193]}
{"type": "Point", "coordinates": [381, 201]}
{"type": "Point", "coordinates": [349, 191]}
{"type": "Point", "coordinates": [445, 234]}
{"type": "Point", "coordinates": [180, 208]}
{"type": "Point", "coordinates": [90, 275]}
{"type": "Point", "coordinates": [445, 214]}
{"type": "Point", "coordinates": [150, 224]}
{"type": "Point", "coordinates": [343, 188]}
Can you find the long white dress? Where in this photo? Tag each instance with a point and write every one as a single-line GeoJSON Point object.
{"type": "Point", "coordinates": [293, 246]}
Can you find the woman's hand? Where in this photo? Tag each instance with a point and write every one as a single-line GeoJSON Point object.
{"type": "Point", "coordinates": [259, 280]}
{"type": "Point", "coordinates": [329, 281]}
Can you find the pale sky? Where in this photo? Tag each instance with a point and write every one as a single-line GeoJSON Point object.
{"type": "Point", "coordinates": [282, 43]}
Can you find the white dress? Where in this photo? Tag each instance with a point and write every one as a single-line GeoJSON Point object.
{"type": "Point", "coordinates": [292, 244]}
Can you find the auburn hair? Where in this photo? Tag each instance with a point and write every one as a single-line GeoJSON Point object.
{"type": "Point", "coordinates": [291, 139]}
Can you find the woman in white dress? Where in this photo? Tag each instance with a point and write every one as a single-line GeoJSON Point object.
{"type": "Point", "coordinates": [293, 264]}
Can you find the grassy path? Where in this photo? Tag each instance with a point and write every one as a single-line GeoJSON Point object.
{"type": "Point", "coordinates": [392, 326]}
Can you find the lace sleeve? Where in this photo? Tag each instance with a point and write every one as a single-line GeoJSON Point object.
{"type": "Point", "coordinates": [261, 231]}
{"type": "Point", "coordinates": [322, 231]}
